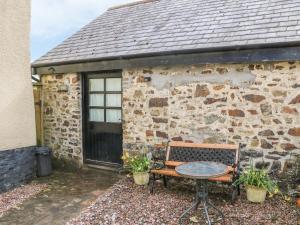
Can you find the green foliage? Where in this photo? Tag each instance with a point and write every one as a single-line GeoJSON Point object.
{"type": "Point", "coordinates": [257, 178]}
{"type": "Point", "coordinates": [137, 163]}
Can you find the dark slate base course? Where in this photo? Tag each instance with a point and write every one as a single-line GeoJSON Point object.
{"type": "Point", "coordinates": [17, 166]}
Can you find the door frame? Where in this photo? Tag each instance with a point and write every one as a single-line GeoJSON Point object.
{"type": "Point", "coordinates": [85, 113]}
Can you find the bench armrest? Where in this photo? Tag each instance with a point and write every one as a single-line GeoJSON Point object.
{"type": "Point", "coordinates": [236, 172]}
{"type": "Point", "coordinates": [159, 160]}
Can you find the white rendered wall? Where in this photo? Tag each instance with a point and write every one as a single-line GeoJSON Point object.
{"type": "Point", "coordinates": [17, 124]}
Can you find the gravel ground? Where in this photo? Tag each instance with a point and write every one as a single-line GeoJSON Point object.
{"type": "Point", "coordinates": [16, 196]}
{"type": "Point", "coordinates": [128, 204]}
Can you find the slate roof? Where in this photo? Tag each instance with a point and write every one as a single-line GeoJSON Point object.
{"type": "Point", "coordinates": [160, 26]}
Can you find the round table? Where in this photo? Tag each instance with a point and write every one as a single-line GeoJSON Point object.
{"type": "Point", "coordinates": [201, 172]}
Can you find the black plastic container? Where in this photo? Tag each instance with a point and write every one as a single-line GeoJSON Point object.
{"type": "Point", "coordinates": [43, 162]}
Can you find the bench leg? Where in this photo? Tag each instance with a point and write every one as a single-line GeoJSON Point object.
{"type": "Point", "coordinates": [235, 193]}
{"type": "Point", "coordinates": [165, 181]}
{"type": "Point", "coordinates": [152, 181]}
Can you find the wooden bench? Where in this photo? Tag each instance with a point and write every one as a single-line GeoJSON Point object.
{"type": "Point", "coordinates": [181, 152]}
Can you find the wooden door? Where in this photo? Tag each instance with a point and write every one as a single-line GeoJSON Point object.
{"type": "Point", "coordinates": [37, 90]}
{"type": "Point", "coordinates": [103, 118]}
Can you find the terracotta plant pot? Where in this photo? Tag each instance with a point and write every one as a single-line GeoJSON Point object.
{"type": "Point", "coordinates": [298, 202]}
{"type": "Point", "coordinates": [255, 194]}
{"type": "Point", "coordinates": [141, 178]}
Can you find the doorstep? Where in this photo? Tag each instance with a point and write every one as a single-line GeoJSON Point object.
{"type": "Point", "coordinates": [104, 167]}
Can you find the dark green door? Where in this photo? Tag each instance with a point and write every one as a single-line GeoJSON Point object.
{"type": "Point", "coordinates": [103, 118]}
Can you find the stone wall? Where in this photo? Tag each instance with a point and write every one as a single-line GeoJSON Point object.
{"type": "Point", "coordinates": [255, 105]}
{"type": "Point", "coordinates": [16, 167]}
{"type": "Point", "coordinates": [62, 116]}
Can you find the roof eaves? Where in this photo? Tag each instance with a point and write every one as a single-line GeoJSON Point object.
{"type": "Point", "coordinates": [185, 51]}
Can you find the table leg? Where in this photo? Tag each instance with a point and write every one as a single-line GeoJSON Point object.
{"type": "Point", "coordinates": [194, 206]}
{"type": "Point", "coordinates": [202, 197]}
{"type": "Point", "coordinates": [183, 216]}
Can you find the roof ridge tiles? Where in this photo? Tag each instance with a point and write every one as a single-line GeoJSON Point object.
{"type": "Point", "coordinates": [131, 4]}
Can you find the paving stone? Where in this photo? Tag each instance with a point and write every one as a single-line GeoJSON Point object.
{"type": "Point", "coordinates": [66, 195]}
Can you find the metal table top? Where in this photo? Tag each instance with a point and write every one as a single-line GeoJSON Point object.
{"type": "Point", "coordinates": [202, 170]}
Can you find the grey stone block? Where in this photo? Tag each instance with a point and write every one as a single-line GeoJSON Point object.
{"type": "Point", "coordinates": [17, 166]}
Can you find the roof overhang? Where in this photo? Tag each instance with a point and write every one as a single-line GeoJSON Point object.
{"type": "Point", "coordinates": [252, 55]}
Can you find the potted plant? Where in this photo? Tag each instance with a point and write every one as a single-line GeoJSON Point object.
{"type": "Point", "coordinates": [257, 183]}
{"type": "Point", "coordinates": [139, 166]}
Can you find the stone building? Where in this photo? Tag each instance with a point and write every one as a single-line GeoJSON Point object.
{"type": "Point", "coordinates": [160, 70]}
{"type": "Point", "coordinates": [17, 133]}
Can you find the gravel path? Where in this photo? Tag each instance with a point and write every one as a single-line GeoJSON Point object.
{"type": "Point", "coordinates": [18, 195]}
{"type": "Point", "coordinates": [128, 204]}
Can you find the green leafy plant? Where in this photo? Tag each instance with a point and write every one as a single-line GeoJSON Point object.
{"type": "Point", "coordinates": [257, 178]}
{"type": "Point", "coordinates": [136, 163]}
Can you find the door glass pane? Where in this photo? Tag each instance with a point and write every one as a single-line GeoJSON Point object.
{"type": "Point", "coordinates": [96, 84]}
{"type": "Point", "coordinates": [97, 115]}
{"type": "Point", "coordinates": [114, 100]}
{"type": "Point", "coordinates": [113, 116]}
{"type": "Point", "coordinates": [96, 100]}
{"type": "Point", "coordinates": [113, 84]}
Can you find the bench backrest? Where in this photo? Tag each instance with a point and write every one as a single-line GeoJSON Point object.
{"type": "Point", "coordinates": [189, 152]}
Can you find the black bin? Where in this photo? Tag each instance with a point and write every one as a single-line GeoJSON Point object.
{"type": "Point", "coordinates": [43, 158]}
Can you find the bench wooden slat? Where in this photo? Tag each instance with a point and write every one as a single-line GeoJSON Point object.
{"type": "Point", "coordinates": [166, 172]}
{"type": "Point", "coordinates": [202, 145]}
{"type": "Point", "coordinates": [159, 146]}
{"type": "Point", "coordinates": [225, 178]}
{"type": "Point", "coordinates": [173, 163]}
